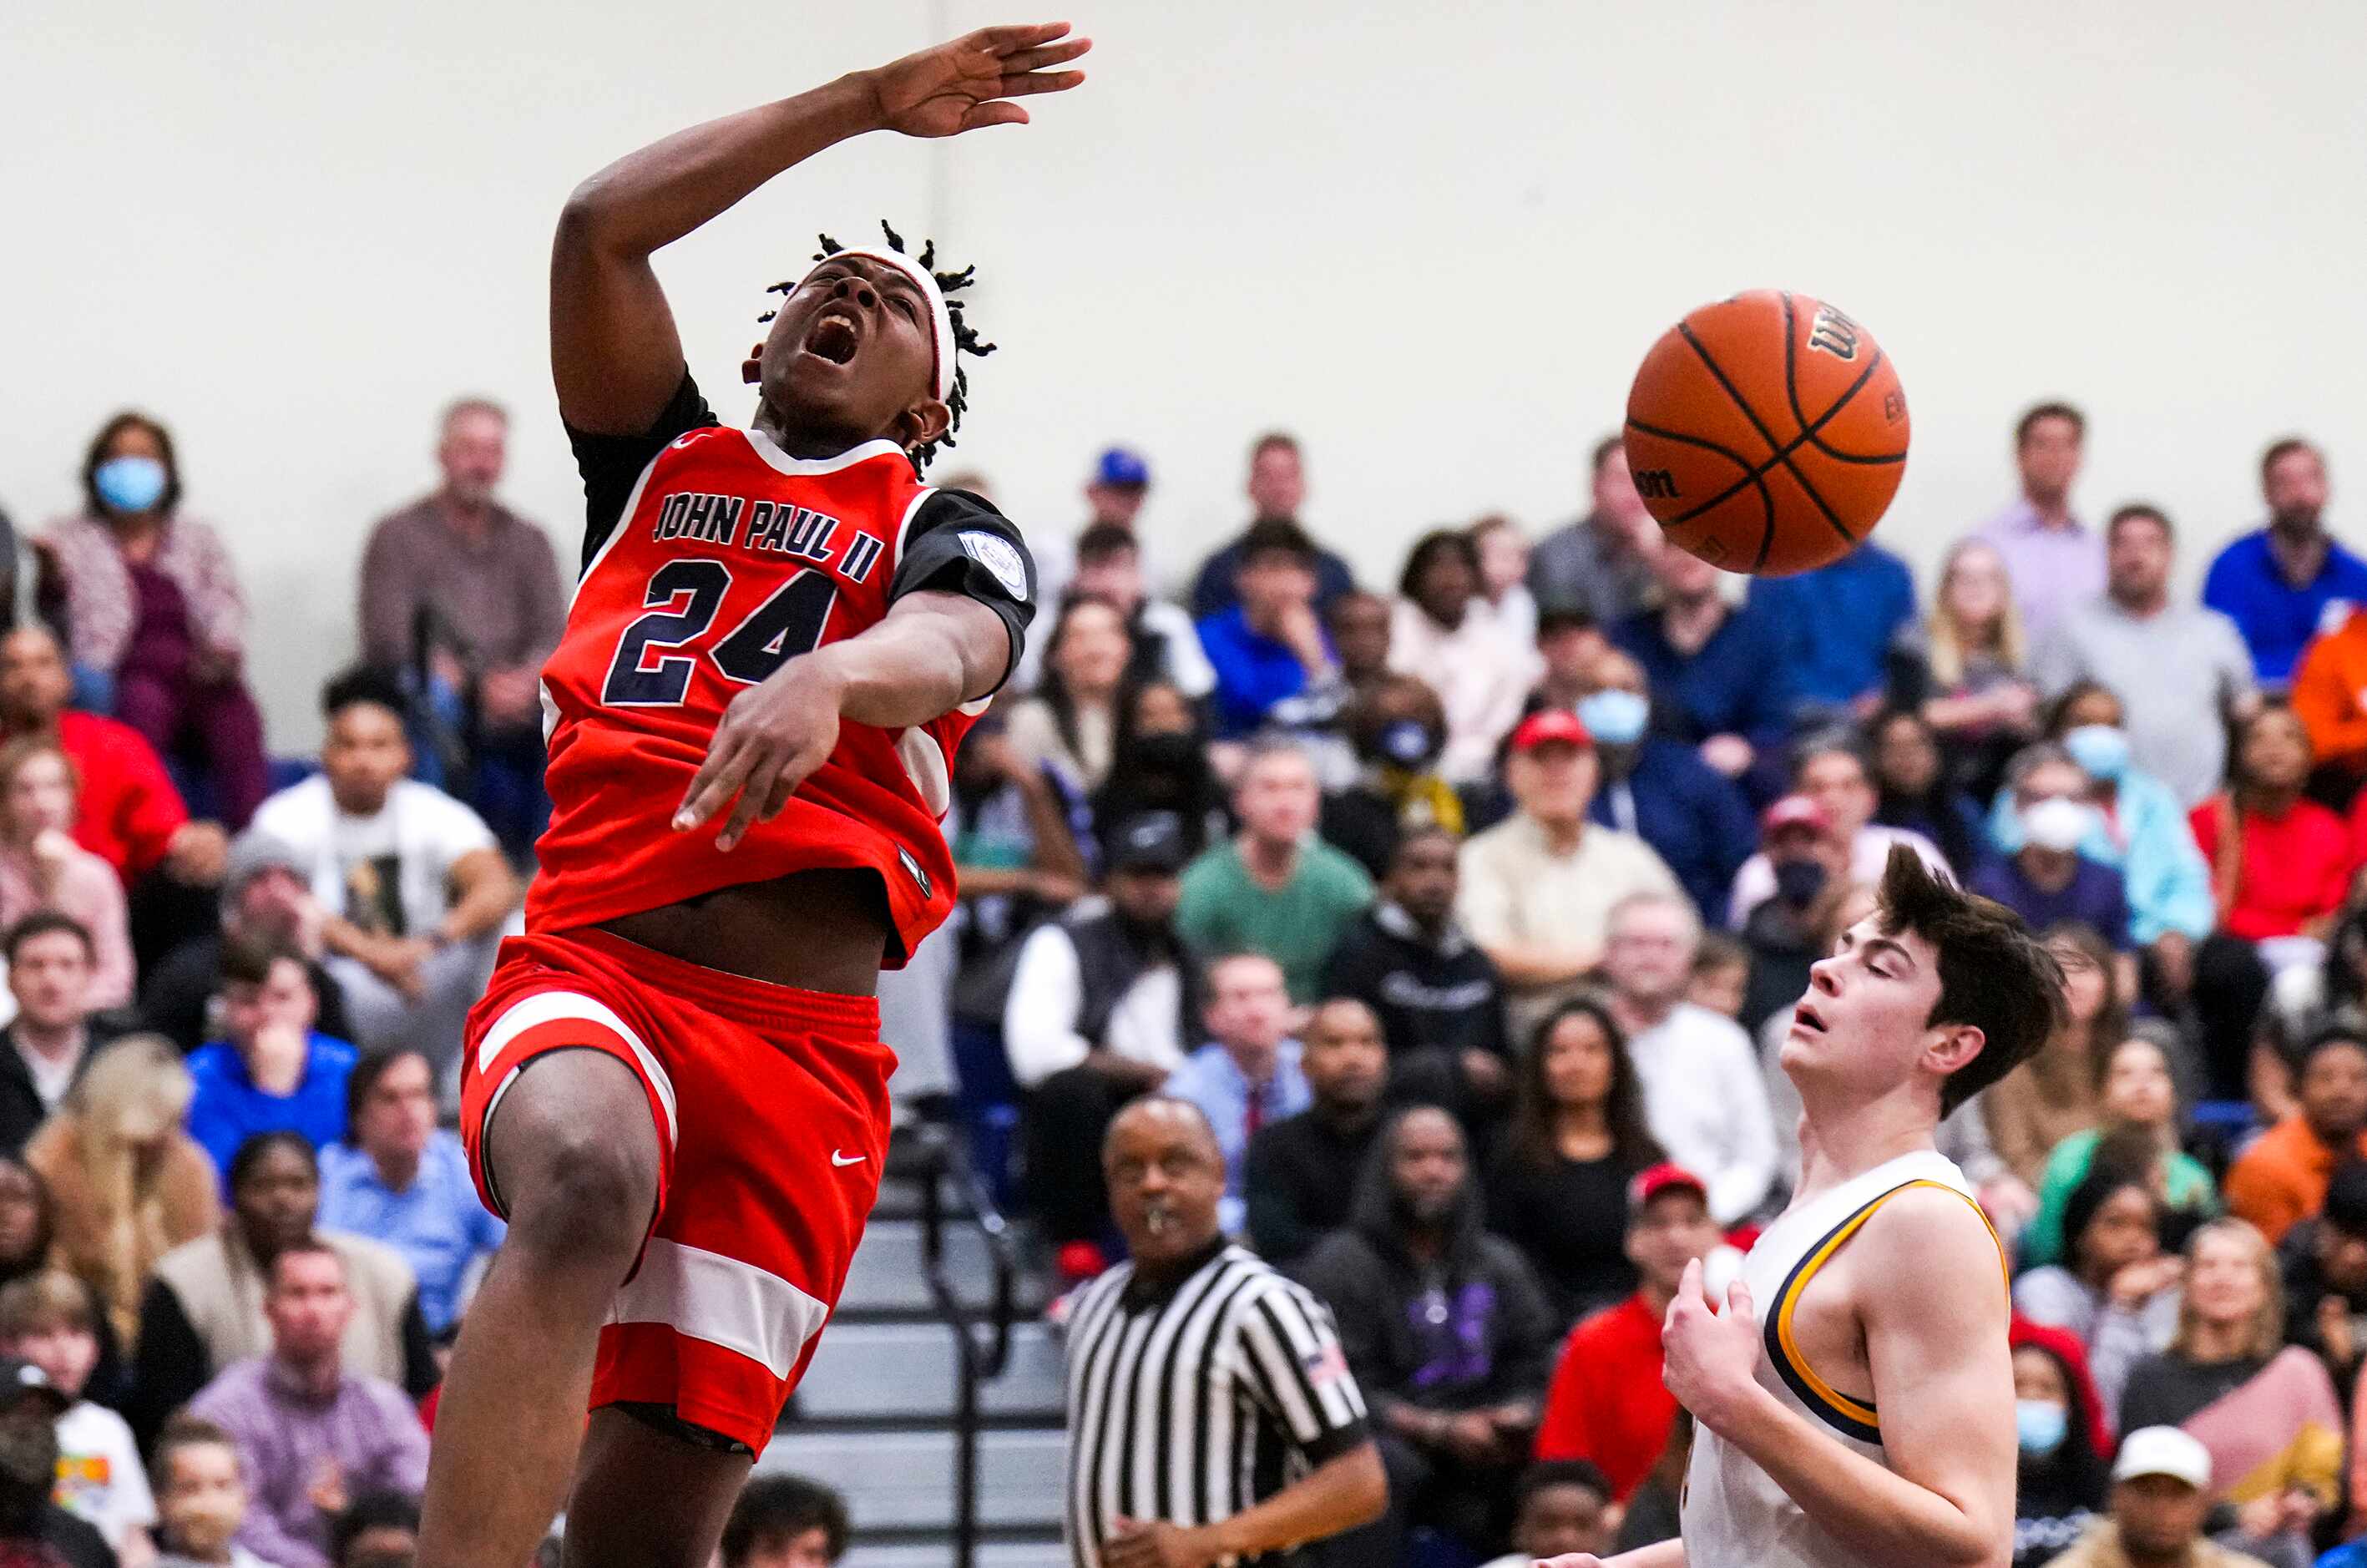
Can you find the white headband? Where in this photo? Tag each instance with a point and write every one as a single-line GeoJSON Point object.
{"type": "Point", "coordinates": [941, 320]}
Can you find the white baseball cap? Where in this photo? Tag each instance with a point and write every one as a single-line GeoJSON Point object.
{"type": "Point", "coordinates": [2164, 1451]}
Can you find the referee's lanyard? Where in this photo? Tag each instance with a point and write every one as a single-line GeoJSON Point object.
{"type": "Point", "coordinates": [1622, 806]}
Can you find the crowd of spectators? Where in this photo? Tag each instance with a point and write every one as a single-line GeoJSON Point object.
{"type": "Point", "coordinates": [1467, 905]}
{"type": "Point", "coordinates": [1469, 908]}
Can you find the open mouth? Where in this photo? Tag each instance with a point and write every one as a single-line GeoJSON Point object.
{"type": "Point", "coordinates": [1807, 1020]}
{"type": "Point", "coordinates": [833, 336]}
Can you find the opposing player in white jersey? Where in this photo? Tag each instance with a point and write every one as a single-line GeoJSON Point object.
{"type": "Point", "coordinates": [1854, 1402]}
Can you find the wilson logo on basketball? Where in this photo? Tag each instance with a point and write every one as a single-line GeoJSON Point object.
{"type": "Point", "coordinates": [1834, 333]}
{"type": "Point", "coordinates": [1657, 484]}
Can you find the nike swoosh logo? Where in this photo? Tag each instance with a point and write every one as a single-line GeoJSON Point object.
{"type": "Point", "coordinates": [838, 1159]}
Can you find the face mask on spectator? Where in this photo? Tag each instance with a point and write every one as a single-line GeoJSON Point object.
{"type": "Point", "coordinates": [2040, 1424]}
{"type": "Point", "coordinates": [131, 483]}
{"type": "Point", "coordinates": [1615, 718]}
{"type": "Point", "coordinates": [2102, 750]}
{"type": "Point", "coordinates": [1798, 882]}
{"type": "Point", "coordinates": [2056, 823]}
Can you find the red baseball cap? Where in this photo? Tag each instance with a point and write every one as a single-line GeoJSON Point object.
{"type": "Point", "coordinates": [1657, 1179]}
{"type": "Point", "coordinates": [1548, 725]}
{"type": "Point", "coordinates": [1796, 810]}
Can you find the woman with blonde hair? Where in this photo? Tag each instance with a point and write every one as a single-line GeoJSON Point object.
{"type": "Point", "coordinates": [2267, 1411]}
{"type": "Point", "coordinates": [1977, 696]}
{"type": "Point", "coordinates": [128, 1184]}
{"type": "Point", "coordinates": [42, 867]}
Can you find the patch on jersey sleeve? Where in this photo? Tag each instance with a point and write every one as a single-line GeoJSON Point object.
{"type": "Point", "coordinates": [997, 556]}
{"type": "Point", "coordinates": [912, 869]}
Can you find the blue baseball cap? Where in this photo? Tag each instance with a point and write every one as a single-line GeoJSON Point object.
{"type": "Point", "coordinates": [1122, 465]}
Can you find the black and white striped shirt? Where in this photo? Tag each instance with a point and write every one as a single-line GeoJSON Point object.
{"type": "Point", "coordinates": [1193, 1405]}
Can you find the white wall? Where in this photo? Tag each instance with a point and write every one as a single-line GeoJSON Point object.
{"type": "Point", "coordinates": [1434, 244]}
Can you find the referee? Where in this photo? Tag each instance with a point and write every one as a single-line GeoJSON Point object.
{"type": "Point", "coordinates": [1212, 1418]}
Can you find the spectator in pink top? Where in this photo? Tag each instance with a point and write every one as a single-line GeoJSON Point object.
{"type": "Point", "coordinates": [155, 623]}
{"type": "Point", "coordinates": [42, 867]}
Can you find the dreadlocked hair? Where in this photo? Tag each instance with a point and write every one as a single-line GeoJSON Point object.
{"type": "Point", "coordinates": [965, 337]}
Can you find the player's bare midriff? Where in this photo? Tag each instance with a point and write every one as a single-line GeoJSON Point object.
{"type": "Point", "coordinates": [819, 930]}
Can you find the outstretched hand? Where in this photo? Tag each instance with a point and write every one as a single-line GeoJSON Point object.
{"type": "Point", "coordinates": [967, 83]}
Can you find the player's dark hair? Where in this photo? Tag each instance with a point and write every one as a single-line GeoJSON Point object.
{"type": "Point", "coordinates": [1614, 442]}
{"type": "Point", "coordinates": [1104, 540]}
{"type": "Point", "coordinates": [965, 337]}
{"type": "Point", "coordinates": [1545, 1474]}
{"type": "Point", "coordinates": [1994, 975]}
{"type": "Point", "coordinates": [2053, 410]}
{"type": "Point", "coordinates": [2140, 510]}
{"type": "Point", "coordinates": [1269, 441]}
{"type": "Point", "coordinates": [1429, 548]}
{"type": "Point", "coordinates": [250, 1152]}
{"type": "Point", "coordinates": [362, 684]}
{"type": "Point", "coordinates": [371, 1511]}
{"type": "Point", "coordinates": [372, 1067]}
{"type": "Point", "coordinates": [1278, 536]}
{"type": "Point", "coordinates": [42, 923]}
{"type": "Point", "coordinates": [130, 419]}
{"type": "Point", "coordinates": [249, 956]}
{"type": "Point", "coordinates": [773, 1508]}
{"type": "Point", "coordinates": [2284, 446]}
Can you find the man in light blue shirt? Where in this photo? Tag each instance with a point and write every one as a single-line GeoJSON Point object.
{"type": "Point", "coordinates": [1248, 1074]}
{"type": "Point", "coordinates": [405, 1181]}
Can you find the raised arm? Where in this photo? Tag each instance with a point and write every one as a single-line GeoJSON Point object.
{"type": "Point", "coordinates": [615, 355]}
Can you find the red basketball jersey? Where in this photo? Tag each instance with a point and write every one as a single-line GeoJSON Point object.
{"type": "Point", "coordinates": [728, 559]}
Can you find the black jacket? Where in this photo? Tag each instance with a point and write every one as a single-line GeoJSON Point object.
{"type": "Point", "coordinates": [22, 1110]}
{"type": "Point", "coordinates": [1429, 996]}
{"type": "Point", "coordinates": [1493, 1345]}
{"type": "Point", "coordinates": [1301, 1179]}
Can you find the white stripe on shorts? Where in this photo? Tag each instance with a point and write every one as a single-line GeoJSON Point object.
{"type": "Point", "coordinates": [704, 1295]}
{"type": "Point", "coordinates": [549, 1006]}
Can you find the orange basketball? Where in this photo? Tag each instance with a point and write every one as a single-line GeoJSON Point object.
{"type": "Point", "coordinates": [1767, 433]}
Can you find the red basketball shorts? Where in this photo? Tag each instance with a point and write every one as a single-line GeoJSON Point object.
{"type": "Point", "coordinates": [770, 1107]}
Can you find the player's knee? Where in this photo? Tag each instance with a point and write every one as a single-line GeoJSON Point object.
{"type": "Point", "coordinates": [585, 1192]}
{"type": "Point", "coordinates": [576, 1173]}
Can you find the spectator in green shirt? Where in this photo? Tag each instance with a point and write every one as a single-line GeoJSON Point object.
{"type": "Point", "coordinates": [1275, 888]}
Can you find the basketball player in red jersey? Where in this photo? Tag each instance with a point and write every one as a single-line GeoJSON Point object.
{"type": "Point", "coordinates": [674, 1088]}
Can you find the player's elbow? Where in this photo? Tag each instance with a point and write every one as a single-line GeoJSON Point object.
{"type": "Point", "coordinates": [588, 223]}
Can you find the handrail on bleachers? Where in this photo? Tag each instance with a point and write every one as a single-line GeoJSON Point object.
{"type": "Point", "coordinates": [936, 1158]}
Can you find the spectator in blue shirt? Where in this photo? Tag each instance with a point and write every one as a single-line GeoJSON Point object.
{"type": "Point", "coordinates": [1248, 1075]}
{"type": "Point", "coordinates": [276, 1072]}
{"type": "Point", "coordinates": [2276, 583]}
{"type": "Point", "coordinates": [1277, 487]}
{"type": "Point", "coordinates": [1694, 817]}
{"type": "Point", "coordinates": [1272, 662]}
{"type": "Point", "coordinates": [405, 1181]}
{"type": "Point", "coordinates": [2043, 878]}
{"type": "Point", "coordinates": [1839, 624]}
{"type": "Point", "coordinates": [1720, 676]}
